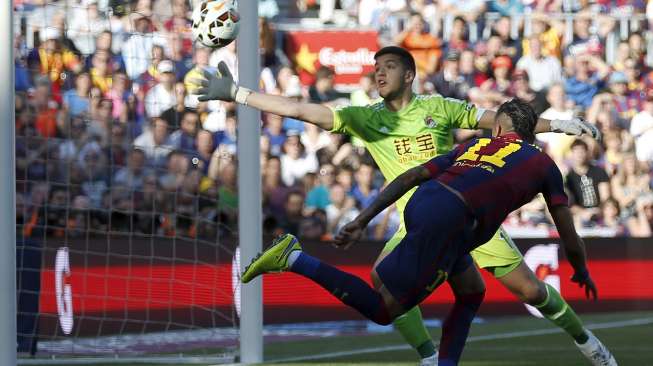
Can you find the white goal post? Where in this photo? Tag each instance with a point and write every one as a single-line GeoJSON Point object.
{"type": "Point", "coordinates": [7, 196]}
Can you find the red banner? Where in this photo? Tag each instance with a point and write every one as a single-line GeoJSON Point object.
{"type": "Point", "coordinates": [349, 53]}
{"type": "Point", "coordinates": [135, 283]}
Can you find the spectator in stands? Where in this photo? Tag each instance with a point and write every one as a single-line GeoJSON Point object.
{"type": "Point", "coordinates": [641, 128]}
{"type": "Point", "coordinates": [76, 101]}
{"type": "Point", "coordinates": [201, 62]}
{"type": "Point", "coordinates": [181, 57]}
{"type": "Point", "coordinates": [642, 224]}
{"type": "Point", "coordinates": [132, 176]}
{"type": "Point", "coordinates": [629, 183]}
{"type": "Point", "coordinates": [322, 90]}
{"type": "Point", "coordinates": [585, 83]}
{"type": "Point", "coordinates": [180, 24]}
{"type": "Point", "coordinates": [345, 177]}
{"type": "Point", "coordinates": [295, 162]}
{"type": "Point", "coordinates": [584, 42]}
{"type": "Point", "coordinates": [148, 78]}
{"type": "Point", "coordinates": [137, 49]}
{"type": "Point", "coordinates": [228, 189]}
{"type": "Point", "coordinates": [294, 215]}
{"type": "Point", "coordinates": [52, 59]}
{"type": "Point", "coordinates": [314, 138]}
{"type": "Point", "coordinates": [522, 90]}
{"type": "Point", "coordinates": [588, 185]}
{"type": "Point", "coordinates": [364, 192]}
{"type": "Point", "coordinates": [85, 25]}
{"type": "Point", "coordinates": [341, 210]}
{"type": "Point", "coordinates": [458, 39]}
{"type": "Point", "coordinates": [155, 142]}
{"type": "Point", "coordinates": [101, 74]}
{"type": "Point", "coordinates": [624, 103]}
{"type": "Point", "coordinates": [104, 43]}
{"type": "Point", "coordinates": [318, 197]}
{"type": "Point", "coordinates": [162, 96]}
{"type": "Point", "coordinates": [366, 91]}
{"type": "Point", "coordinates": [611, 217]}
{"type": "Point", "coordinates": [275, 133]}
{"type": "Point", "coordinates": [425, 48]}
{"type": "Point", "coordinates": [122, 99]}
{"type": "Point", "coordinates": [226, 139]}
{"type": "Point", "coordinates": [92, 169]}
{"type": "Point", "coordinates": [448, 82]}
{"type": "Point", "coordinates": [45, 108]}
{"type": "Point", "coordinates": [613, 155]}
{"type": "Point", "coordinates": [498, 87]}
{"type": "Point", "coordinates": [201, 157]}
{"type": "Point", "coordinates": [177, 167]}
{"type": "Point", "coordinates": [174, 114]}
{"type": "Point", "coordinates": [184, 138]}
{"type": "Point", "coordinates": [503, 29]}
{"type": "Point", "coordinates": [274, 191]}
{"type": "Point", "coordinates": [467, 66]}
{"type": "Point", "coordinates": [542, 70]}
{"type": "Point", "coordinates": [558, 145]}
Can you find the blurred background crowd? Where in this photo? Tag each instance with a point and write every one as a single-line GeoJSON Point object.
{"type": "Point", "coordinates": [110, 137]}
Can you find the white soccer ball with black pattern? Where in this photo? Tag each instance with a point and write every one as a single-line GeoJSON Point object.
{"type": "Point", "coordinates": [215, 23]}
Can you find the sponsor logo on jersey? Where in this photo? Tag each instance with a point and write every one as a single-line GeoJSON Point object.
{"type": "Point", "coordinates": [430, 122]}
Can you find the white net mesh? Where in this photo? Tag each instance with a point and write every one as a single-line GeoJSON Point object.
{"type": "Point", "coordinates": [126, 184]}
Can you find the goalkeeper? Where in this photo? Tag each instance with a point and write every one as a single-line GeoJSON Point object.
{"type": "Point", "coordinates": [404, 131]}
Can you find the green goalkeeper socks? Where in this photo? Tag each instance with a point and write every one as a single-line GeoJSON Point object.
{"type": "Point", "coordinates": [411, 326]}
{"type": "Point", "coordinates": [556, 309]}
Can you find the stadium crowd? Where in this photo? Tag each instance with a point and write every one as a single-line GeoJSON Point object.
{"type": "Point", "coordinates": [110, 137]}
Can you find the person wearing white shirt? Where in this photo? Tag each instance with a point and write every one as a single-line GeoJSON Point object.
{"type": "Point", "coordinates": [162, 96]}
{"type": "Point", "coordinates": [137, 50]}
{"type": "Point", "coordinates": [558, 144]}
{"type": "Point", "coordinates": [542, 70]}
{"type": "Point", "coordinates": [155, 142]}
{"type": "Point", "coordinates": [641, 127]}
{"type": "Point", "coordinates": [295, 162]}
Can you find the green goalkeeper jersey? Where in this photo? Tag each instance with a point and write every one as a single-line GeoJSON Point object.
{"type": "Point", "coordinates": [410, 137]}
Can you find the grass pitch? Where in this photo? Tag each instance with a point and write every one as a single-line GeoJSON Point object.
{"type": "Point", "coordinates": [523, 341]}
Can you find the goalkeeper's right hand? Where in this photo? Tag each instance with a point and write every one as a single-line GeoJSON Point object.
{"type": "Point", "coordinates": [221, 86]}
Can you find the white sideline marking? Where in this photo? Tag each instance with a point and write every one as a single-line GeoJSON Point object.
{"type": "Point", "coordinates": [526, 333]}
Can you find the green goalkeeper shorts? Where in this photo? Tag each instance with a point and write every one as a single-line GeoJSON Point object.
{"type": "Point", "coordinates": [499, 255]}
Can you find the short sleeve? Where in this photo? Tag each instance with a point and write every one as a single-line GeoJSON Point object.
{"type": "Point", "coordinates": [349, 120]}
{"type": "Point", "coordinates": [459, 113]}
{"type": "Point", "coordinates": [554, 190]}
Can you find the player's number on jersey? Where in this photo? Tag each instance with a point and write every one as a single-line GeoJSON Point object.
{"type": "Point", "coordinates": [495, 159]}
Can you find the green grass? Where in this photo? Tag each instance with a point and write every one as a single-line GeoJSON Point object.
{"type": "Point", "coordinates": [631, 345]}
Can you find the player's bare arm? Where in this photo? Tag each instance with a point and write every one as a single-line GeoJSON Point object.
{"type": "Point", "coordinates": [574, 248]}
{"type": "Point", "coordinates": [352, 232]}
{"type": "Point", "coordinates": [222, 87]}
{"type": "Point", "coordinates": [574, 126]}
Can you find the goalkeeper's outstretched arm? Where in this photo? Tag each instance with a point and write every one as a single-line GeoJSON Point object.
{"type": "Point", "coordinates": [222, 87]}
{"type": "Point", "coordinates": [574, 126]}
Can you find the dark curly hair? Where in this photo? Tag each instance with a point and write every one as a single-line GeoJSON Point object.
{"type": "Point", "coordinates": [523, 117]}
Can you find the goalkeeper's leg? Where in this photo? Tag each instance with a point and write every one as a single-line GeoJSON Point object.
{"type": "Point", "coordinates": [411, 324]}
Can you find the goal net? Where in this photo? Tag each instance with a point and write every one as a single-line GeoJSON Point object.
{"type": "Point", "coordinates": [126, 185]}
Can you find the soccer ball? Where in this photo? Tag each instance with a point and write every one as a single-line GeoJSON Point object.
{"type": "Point", "coordinates": [215, 23]}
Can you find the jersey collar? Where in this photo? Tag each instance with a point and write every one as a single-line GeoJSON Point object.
{"type": "Point", "coordinates": [514, 136]}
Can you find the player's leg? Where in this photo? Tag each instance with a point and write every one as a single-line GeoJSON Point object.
{"type": "Point", "coordinates": [501, 257]}
{"type": "Point", "coordinates": [469, 289]}
{"type": "Point", "coordinates": [410, 324]}
{"type": "Point", "coordinates": [286, 254]}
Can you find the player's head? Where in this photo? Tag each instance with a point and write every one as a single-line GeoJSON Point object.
{"type": "Point", "coordinates": [394, 71]}
{"type": "Point", "coordinates": [518, 116]}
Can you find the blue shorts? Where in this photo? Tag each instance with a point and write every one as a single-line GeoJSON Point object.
{"type": "Point", "coordinates": [439, 227]}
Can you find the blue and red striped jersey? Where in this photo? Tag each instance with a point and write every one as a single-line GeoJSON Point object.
{"type": "Point", "coordinates": [496, 176]}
